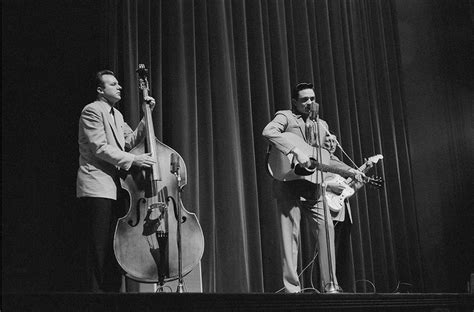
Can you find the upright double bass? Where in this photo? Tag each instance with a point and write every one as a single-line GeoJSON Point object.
{"type": "Point", "coordinates": [158, 240]}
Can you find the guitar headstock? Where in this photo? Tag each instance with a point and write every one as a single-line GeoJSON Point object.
{"type": "Point", "coordinates": [374, 159]}
{"type": "Point", "coordinates": [375, 181]}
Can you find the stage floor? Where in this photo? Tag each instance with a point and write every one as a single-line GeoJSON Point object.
{"type": "Point", "coordinates": [236, 302]}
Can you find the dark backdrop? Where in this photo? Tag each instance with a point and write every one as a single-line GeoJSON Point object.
{"type": "Point", "coordinates": [436, 44]}
{"type": "Point", "coordinates": [51, 51]}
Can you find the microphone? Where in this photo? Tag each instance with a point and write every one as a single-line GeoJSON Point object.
{"type": "Point", "coordinates": [313, 110]}
{"type": "Point", "coordinates": [174, 163]}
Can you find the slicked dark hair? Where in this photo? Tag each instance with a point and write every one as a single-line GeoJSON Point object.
{"type": "Point", "coordinates": [300, 86]}
{"type": "Point", "coordinates": [98, 77]}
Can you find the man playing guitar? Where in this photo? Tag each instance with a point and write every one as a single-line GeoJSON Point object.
{"type": "Point", "coordinates": [299, 141]}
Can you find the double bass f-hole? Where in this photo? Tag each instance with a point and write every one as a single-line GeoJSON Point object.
{"type": "Point", "coordinates": [140, 201]}
{"type": "Point", "coordinates": [175, 209]}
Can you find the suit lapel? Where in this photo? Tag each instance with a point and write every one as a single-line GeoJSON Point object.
{"type": "Point", "coordinates": [301, 125]}
{"type": "Point", "coordinates": [118, 134]}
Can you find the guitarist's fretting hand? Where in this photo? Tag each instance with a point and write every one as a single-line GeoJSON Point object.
{"type": "Point", "coordinates": [359, 176]}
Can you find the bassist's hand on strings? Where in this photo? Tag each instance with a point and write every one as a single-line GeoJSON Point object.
{"type": "Point", "coordinates": [143, 160]}
{"type": "Point", "coordinates": [149, 101]}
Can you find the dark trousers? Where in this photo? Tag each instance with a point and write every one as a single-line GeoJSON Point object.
{"type": "Point", "coordinates": [101, 272]}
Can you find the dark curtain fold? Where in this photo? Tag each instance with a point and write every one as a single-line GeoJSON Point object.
{"type": "Point", "coordinates": [220, 70]}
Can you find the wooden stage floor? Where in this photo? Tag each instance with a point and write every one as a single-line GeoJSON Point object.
{"type": "Point", "coordinates": [236, 302]}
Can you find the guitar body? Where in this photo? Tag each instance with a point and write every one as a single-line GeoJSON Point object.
{"type": "Point", "coordinates": [336, 202]}
{"type": "Point", "coordinates": [282, 167]}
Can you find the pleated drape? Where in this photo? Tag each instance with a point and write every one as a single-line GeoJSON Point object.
{"type": "Point", "coordinates": [220, 70]}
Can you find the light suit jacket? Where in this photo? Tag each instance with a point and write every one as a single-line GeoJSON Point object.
{"type": "Point", "coordinates": [102, 147]}
{"type": "Point", "coordinates": [280, 131]}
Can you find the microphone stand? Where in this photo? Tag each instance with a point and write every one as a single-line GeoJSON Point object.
{"type": "Point", "coordinates": [175, 171]}
{"type": "Point", "coordinates": [331, 288]}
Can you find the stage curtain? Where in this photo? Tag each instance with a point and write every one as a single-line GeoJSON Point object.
{"type": "Point", "coordinates": [220, 69]}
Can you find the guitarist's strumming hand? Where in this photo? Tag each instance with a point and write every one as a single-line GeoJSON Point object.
{"type": "Point", "coordinates": [335, 187]}
{"type": "Point", "coordinates": [301, 157]}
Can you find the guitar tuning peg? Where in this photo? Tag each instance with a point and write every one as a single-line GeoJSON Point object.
{"type": "Point", "coordinates": [375, 181]}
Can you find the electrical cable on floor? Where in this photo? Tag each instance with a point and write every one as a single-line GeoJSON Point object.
{"type": "Point", "coordinates": [302, 271]}
{"type": "Point", "coordinates": [367, 281]}
{"type": "Point", "coordinates": [396, 291]}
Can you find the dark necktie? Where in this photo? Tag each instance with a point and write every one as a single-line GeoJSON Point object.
{"type": "Point", "coordinates": [113, 116]}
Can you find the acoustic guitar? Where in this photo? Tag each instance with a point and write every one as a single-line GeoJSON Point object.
{"type": "Point", "coordinates": [285, 167]}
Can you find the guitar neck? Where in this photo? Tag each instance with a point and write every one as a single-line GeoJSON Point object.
{"type": "Point", "coordinates": [342, 172]}
{"type": "Point", "coordinates": [365, 167]}
{"type": "Point", "coordinates": [370, 163]}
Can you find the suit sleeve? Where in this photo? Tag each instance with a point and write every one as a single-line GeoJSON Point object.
{"type": "Point", "coordinates": [94, 131]}
{"type": "Point", "coordinates": [274, 131]}
{"type": "Point", "coordinates": [334, 161]}
{"type": "Point", "coordinates": [132, 138]}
